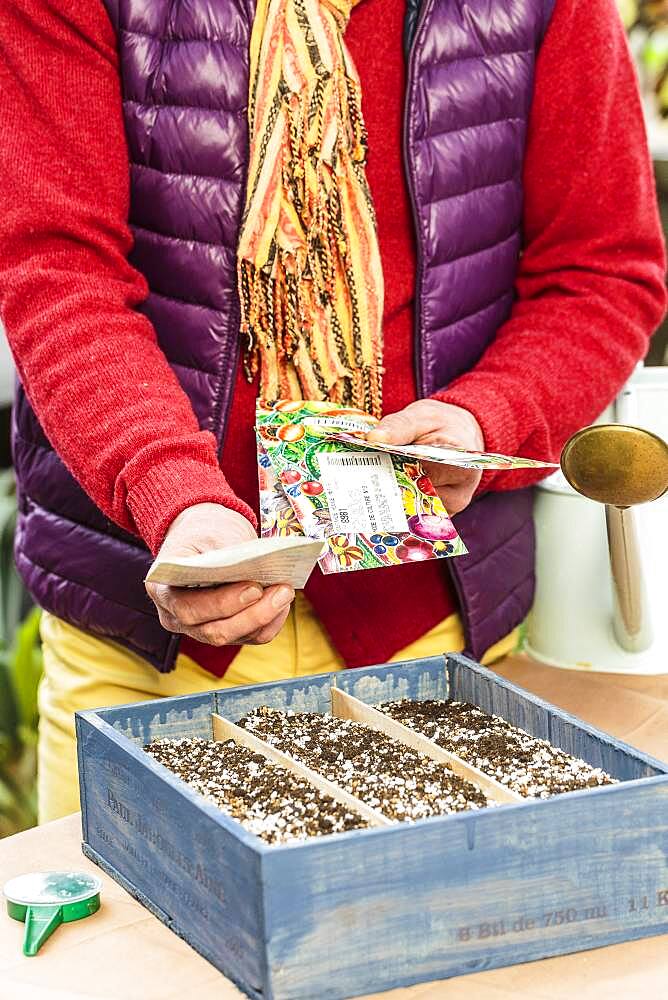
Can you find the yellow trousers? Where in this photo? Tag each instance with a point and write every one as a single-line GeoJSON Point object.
{"type": "Point", "coordinates": [82, 672]}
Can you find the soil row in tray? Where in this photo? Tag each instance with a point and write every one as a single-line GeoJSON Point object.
{"type": "Point", "coordinates": [527, 765]}
{"type": "Point", "coordinates": [393, 779]}
{"type": "Point", "coordinates": [266, 799]}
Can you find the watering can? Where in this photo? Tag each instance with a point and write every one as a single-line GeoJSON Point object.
{"type": "Point", "coordinates": [602, 553]}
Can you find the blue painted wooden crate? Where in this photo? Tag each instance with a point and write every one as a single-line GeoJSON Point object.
{"type": "Point", "coordinates": [370, 910]}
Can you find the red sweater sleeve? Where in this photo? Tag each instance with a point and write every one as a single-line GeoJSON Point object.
{"type": "Point", "coordinates": [100, 385]}
{"type": "Point", "coordinates": [590, 288]}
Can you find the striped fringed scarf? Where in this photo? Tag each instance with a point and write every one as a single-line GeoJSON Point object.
{"type": "Point", "coordinates": [310, 276]}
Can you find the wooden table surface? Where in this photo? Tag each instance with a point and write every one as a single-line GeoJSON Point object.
{"type": "Point", "coordinates": [123, 953]}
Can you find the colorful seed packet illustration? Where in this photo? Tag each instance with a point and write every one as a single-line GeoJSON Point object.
{"type": "Point", "coordinates": [277, 515]}
{"type": "Point", "coordinates": [373, 509]}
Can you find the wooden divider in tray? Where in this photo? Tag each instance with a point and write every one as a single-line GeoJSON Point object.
{"type": "Point", "coordinates": [345, 706]}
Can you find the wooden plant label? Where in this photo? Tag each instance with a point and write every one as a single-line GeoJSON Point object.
{"type": "Point", "coordinates": [345, 706]}
{"type": "Point", "coordinates": [223, 729]}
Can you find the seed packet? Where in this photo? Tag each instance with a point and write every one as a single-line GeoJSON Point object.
{"type": "Point", "coordinates": [446, 455]}
{"type": "Point", "coordinates": [265, 560]}
{"type": "Point", "coordinates": [372, 508]}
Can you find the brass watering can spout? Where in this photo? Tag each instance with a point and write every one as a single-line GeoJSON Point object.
{"type": "Point", "coordinates": [621, 466]}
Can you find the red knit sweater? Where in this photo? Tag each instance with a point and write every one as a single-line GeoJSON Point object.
{"type": "Point", "coordinates": [589, 290]}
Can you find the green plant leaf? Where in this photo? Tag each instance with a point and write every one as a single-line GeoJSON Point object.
{"type": "Point", "coordinates": [26, 668]}
{"type": "Point", "coordinates": [20, 671]}
{"type": "Point", "coordinates": [9, 712]}
{"type": "Point", "coordinates": [12, 593]}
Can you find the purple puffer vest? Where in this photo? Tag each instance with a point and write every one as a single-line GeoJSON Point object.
{"type": "Point", "coordinates": [185, 82]}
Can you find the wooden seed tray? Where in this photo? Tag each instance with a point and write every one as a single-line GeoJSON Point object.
{"type": "Point", "coordinates": [372, 909]}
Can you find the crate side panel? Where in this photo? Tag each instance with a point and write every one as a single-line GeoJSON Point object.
{"type": "Point", "coordinates": [473, 683]}
{"type": "Point", "coordinates": [614, 756]}
{"type": "Point", "coordinates": [300, 694]}
{"type": "Point", "coordinates": [166, 718]}
{"type": "Point", "coordinates": [425, 678]}
{"type": "Point", "coordinates": [157, 912]}
{"type": "Point", "coordinates": [481, 890]}
{"type": "Point", "coordinates": [415, 679]}
{"type": "Point", "coordinates": [201, 879]}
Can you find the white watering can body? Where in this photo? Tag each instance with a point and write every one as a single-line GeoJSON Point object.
{"type": "Point", "coordinates": [571, 623]}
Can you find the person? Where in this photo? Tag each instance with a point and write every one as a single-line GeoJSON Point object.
{"type": "Point", "coordinates": [186, 221]}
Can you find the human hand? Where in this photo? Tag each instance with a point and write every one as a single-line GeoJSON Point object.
{"type": "Point", "coordinates": [428, 421]}
{"type": "Point", "coordinates": [234, 613]}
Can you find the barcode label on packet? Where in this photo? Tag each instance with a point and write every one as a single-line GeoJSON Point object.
{"type": "Point", "coordinates": [362, 492]}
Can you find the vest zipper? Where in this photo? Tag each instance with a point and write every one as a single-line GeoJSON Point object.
{"type": "Point", "coordinates": [411, 182]}
{"type": "Point", "coordinates": [222, 413]}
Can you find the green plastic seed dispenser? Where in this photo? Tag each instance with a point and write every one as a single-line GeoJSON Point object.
{"type": "Point", "coordinates": [45, 900]}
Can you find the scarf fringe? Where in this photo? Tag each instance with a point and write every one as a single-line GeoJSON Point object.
{"type": "Point", "coordinates": [312, 303]}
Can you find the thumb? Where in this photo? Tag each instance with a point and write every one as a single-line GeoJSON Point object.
{"type": "Point", "coordinates": [405, 426]}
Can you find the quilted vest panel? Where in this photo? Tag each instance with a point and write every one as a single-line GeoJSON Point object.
{"type": "Point", "coordinates": [184, 69]}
